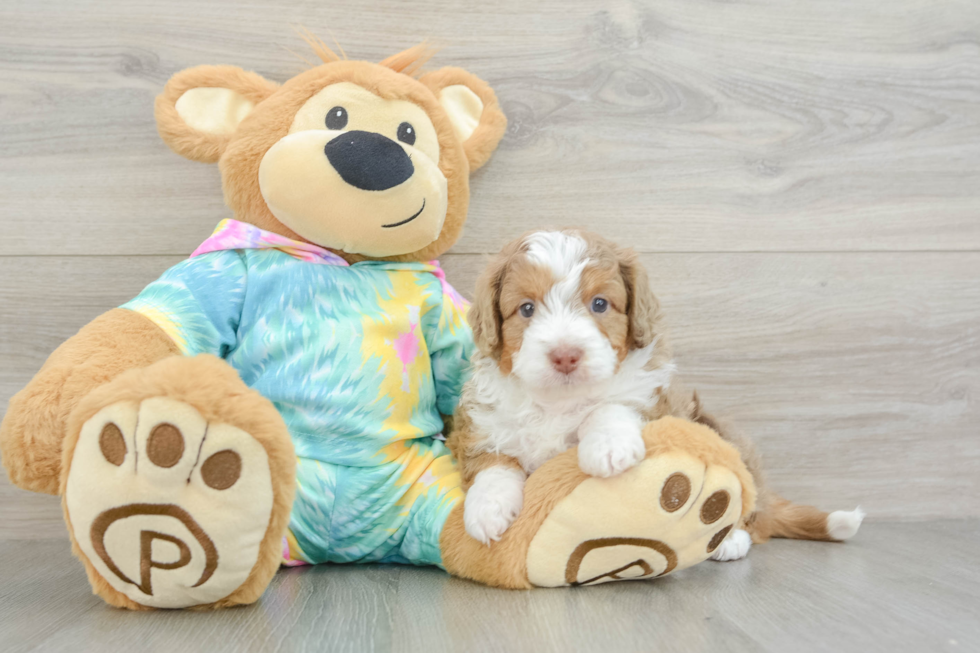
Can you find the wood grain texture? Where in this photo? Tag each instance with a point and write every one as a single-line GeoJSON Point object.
{"type": "Point", "coordinates": [682, 125]}
{"type": "Point", "coordinates": [856, 374]}
{"type": "Point", "coordinates": [896, 587]}
{"type": "Point", "coordinates": [803, 176]}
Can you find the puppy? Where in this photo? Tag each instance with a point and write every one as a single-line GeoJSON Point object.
{"type": "Point", "coordinates": [572, 351]}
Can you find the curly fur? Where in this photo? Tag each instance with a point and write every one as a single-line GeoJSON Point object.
{"type": "Point", "coordinates": [485, 440]}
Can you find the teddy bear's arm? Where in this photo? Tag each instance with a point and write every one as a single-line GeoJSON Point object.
{"type": "Point", "coordinates": [198, 302]}
{"type": "Point", "coordinates": [34, 425]}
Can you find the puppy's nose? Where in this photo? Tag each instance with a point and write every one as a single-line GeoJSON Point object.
{"type": "Point", "coordinates": [565, 359]}
{"type": "Point", "coordinates": [369, 161]}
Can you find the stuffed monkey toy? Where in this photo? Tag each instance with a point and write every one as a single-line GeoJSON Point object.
{"type": "Point", "coordinates": [277, 397]}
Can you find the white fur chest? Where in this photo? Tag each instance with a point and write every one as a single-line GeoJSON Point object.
{"type": "Point", "coordinates": [510, 419]}
{"type": "Point", "coordinates": [531, 433]}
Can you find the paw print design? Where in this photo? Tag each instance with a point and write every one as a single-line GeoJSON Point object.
{"type": "Point", "coordinates": [667, 513]}
{"type": "Point", "coordinates": [169, 509]}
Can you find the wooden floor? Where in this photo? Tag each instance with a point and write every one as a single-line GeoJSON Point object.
{"type": "Point", "coordinates": [897, 587]}
{"type": "Point", "coordinates": [802, 179]}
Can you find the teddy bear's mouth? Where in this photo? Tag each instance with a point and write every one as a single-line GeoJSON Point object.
{"type": "Point", "coordinates": [398, 224]}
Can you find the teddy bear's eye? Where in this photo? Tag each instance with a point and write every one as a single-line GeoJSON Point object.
{"type": "Point", "coordinates": [337, 118]}
{"type": "Point", "coordinates": [406, 133]}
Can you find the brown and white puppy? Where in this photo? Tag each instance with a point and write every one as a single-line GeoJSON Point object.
{"type": "Point", "coordinates": [571, 351]}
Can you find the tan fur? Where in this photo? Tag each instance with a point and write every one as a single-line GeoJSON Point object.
{"type": "Point", "coordinates": [674, 434]}
{"type": "Point", "coordinates": [778, 517]}
{"type": "Point", "coordinates": [482, 142]}
{"type": "Point", "coordinates": [33, 428]}
{"type": "Point", "coordinates": [470, 459]}
{"type": "Point", "coordinates": [123, 355]}
{"type": "Point", "coordinates": [492, 307]}
{"type": "Point", "coordinates": [522, 282]}
{"type": "Point", "coordinates": [604, 279]}
{"type": "Point", "coordinates": [409, 62]}
{"type": "Point", "coordinates": [271, 121]}
{"type": "Point", "coordinates": [484, 316]}
{"type": "Point", "coordinates": [504, 563]}
{"type": "Point", "coordinates": [774, 515]}
{"type": "Point", "coordinates": [241, 152]}
{"type": "Point", "coordinates": [644, 309]}
{"type": "Point", "coordinates": [320, 48]}
{"type": "Point", "coordinates": [615, 273]}
{"type": "Point", "coordinates": [189, 142]}
{"type": "Point", "coordinates": [215, 390]}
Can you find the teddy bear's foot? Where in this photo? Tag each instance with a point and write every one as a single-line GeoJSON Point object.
{"type": "Point", "coordinates": [667, 513]}
{"type": "Point", "coordinates": [172, 508]}
{"type": "Point", "coordinates": [670, 511]}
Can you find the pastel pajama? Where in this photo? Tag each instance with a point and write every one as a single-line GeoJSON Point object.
{"type": "Point", "coordinates": [360, 360]}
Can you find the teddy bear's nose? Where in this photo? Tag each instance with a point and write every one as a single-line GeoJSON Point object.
{"type": "Point", "coordinates": [368, 160]}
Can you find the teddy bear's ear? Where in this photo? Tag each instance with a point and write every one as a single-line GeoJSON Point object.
{"type": "Point", "coordinates": [200, 108]}
{"type": "Point", "coordinates": [473, 110]}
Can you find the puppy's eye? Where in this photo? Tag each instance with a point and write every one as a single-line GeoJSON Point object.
{"type": "Point", "coordinates": [527, 309]}
{"type": "Point", "coordinates": [337, 118]}
{"type": "Point", "coordinates": [599, 305]}
{"type": "Point", "coordinates": [406, 133]}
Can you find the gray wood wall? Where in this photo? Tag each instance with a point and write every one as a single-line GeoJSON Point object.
{"type": "Point", "coordinates": [802, 178]}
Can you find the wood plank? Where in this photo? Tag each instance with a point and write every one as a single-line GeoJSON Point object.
{"type": "Point", "coordinates": [49, 300]}
{"type": "Point", "coordinates": [896, 587]}
{"type": "Point", "coordinates": [684, 125]}
{"type": "Point", "coordinates": [855, 373]}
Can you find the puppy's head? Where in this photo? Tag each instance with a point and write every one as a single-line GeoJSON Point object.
{"type": "Point", "coordinates": [563, 309]}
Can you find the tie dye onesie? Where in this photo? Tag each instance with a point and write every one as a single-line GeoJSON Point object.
{"type": "Point", "coordinates": [359, 359]}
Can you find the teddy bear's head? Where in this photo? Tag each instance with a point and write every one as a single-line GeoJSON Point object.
{"type": "Point", "coordinates": [365, 159]}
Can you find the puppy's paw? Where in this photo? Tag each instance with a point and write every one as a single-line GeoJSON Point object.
{"type": "Point", "coordinates": [608, 454]}
{"type": "Point", "coordinates": [734, 547]}
{"type": "Point", "coordinates": [493, 502]}
{"type": "Point", "coordinates": [610, 441]}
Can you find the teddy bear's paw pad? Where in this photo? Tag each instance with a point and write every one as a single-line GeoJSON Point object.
{"type": "Point", "coordinates": [170, 510]}
{"type": "Point", "coordinates": [667, 513]}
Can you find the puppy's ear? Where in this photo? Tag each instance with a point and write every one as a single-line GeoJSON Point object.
{"type": "Point", "coordinates": [484, 316]}
{"type": "Point", "coordinates": [473, 110]}
{"type": "Point", "coordinates": [200, 108]}
{"type": "Point", "coordinates": [642, 307]}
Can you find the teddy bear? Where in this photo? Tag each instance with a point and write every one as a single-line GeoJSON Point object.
{"type": "Point", "coordinates": [280, 397]}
